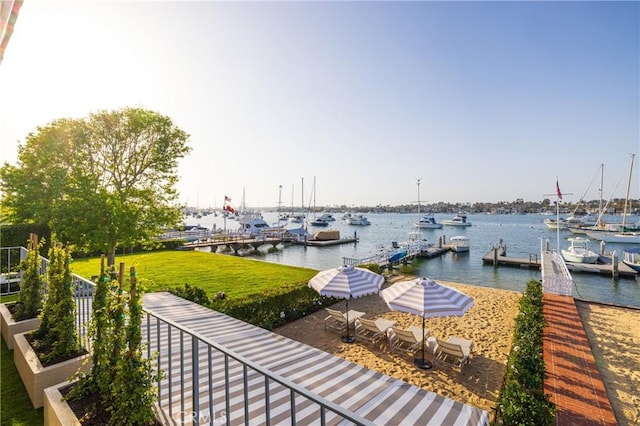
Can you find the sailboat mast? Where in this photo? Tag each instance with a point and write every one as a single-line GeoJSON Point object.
{"type": "Point", "coordinates": [626, 200]}
{"type": "Point", "coordinates": [601, 186]}
{"type": "Point", "coordinates": [279, 198]}
{"type": "Point", "coordinates": [418, 182]}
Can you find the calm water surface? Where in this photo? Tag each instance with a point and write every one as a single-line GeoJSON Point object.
{"type": "Point", "coordinates": [522, 234]}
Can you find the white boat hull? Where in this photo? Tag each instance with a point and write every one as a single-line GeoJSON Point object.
{"type": "Point", "coordinates": [450, 223]}
{"type": "Point", "coordinates": [579, 257]}
{"type": "Point", "coordinates": [427, 225]}
{"type": "Point", "coordinates": [460, 244]}
{"type": "Point", "coordinates": [630, 238]}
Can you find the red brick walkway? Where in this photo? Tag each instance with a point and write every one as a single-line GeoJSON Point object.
{"type": "Point", "coordinates": [573, 380]}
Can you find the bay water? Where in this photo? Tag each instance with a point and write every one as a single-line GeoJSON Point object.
{"type": "Point", "coordinates": [523, 236]}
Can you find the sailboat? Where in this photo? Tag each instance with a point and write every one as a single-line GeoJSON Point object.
{"type": "Point", "coordinates": [317, 221]}
{"type": "Point", "coordinates": [426, 221]}
{"type": "Point", "coordinates": [623, 237]}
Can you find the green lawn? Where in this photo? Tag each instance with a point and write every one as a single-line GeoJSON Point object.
{"type": "Point", "coordinates": [236, 276]}
{"type": "Point", "coordinates": [14, 400]}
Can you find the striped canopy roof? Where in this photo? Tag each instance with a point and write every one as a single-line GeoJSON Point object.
{"type": "Point", "coordinates": [346, 282]}
{"type": "Point", "coordinates": [426, 298]}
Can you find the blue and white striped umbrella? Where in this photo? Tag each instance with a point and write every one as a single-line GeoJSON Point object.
{"type": "Point", "coordinates": [346, 282]}
{"type": "Point", "coordinates": [426, 298]}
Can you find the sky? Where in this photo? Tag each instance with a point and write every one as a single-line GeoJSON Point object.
{"type": "Point", "coordinates": [482, 101]}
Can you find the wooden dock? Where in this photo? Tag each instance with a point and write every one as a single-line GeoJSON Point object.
{"type": "Point", "coordinates": [497, 256]}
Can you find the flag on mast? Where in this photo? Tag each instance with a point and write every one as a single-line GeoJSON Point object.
{"type": "Point", "coordinates": [558, 189]}
{"type": "Point", "coordinates": [227, 198]}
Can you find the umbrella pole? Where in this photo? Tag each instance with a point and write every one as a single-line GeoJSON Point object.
{"type": "Point", "coordinates": [348, 338]}
{"type": "Point", "coordinates": [422, 363]}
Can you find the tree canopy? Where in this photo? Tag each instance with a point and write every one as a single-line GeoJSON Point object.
{"type": "Point", "coordinates": [101, 182]}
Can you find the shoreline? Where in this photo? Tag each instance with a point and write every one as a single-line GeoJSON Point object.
{"type": "Point", "coordinates": [489, 323]}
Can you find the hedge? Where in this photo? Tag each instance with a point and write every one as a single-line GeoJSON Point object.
{"type": "Point", "coordinates": [522, 400]}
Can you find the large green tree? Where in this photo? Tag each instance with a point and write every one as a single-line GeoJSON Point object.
{"type": "Point", "coordinates": [102, 182]}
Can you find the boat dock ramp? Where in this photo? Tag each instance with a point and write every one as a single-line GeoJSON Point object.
{"type": "Point", "coordinates": [399, 254]}
{"type": "Point", "coordinates": [607, 264]}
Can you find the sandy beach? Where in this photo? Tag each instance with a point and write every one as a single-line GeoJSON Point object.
{"type": "Point", "coordinates": [489, 323]}
{"type": "Point", "coordinates": [614, 334]}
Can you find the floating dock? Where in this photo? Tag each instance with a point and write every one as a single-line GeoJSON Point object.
{"type": "Point", "coordinates": [497, 256]}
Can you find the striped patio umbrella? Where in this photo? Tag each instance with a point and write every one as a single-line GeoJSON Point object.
{"type": "Point", "coordinates": [428, 299]}
{"type": "Point", "coordinates": [344, 283]}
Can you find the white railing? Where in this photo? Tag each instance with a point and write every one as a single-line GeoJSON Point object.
{"type": "Point", "coordinates": [556, 277]}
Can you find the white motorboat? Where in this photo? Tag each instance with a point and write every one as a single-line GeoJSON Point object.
{"type": "Point", "coordinates": [358, 219]}
{"type": "Point", "coordinates": [631, 257]}
{"type": "Point", "coordinates": [578, 252]}
{"type": "Point", "coordinates": [296, 218]}
{"type": "Point", "coordinates": [328, 217]}
{"type": "Point", "coordinates": [459, 243]}
{"type": "Point", "coordinates": [319, 221]}
{"type": "Point", "coordinates": [252, 224]}
{"type": "Point", "coordinates": [458, 220]}
{"type": "Point", "coordinates": [427, 222]}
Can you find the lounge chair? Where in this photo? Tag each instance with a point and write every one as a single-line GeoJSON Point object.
{"type": "Point", "coordinates": [455, 351]}
{"type": "Point", "coordinates": [372, 330]}
{"type": "Point", "coordinates": [408, 340]}
{"type": "Point", "coordinates": [338, 321]}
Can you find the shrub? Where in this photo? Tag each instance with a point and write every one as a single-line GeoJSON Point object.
{"type": "Point", "coordinates": [275, 307]}
{"type": "Point", "coordinates": [192, 293]}
{"type": "Point", "coordinates": [121, 377]}
{"type": "Point", "coordinates": [522, 400]}
{"type": "Point", "coordinates": [29, 303]}
{"type": "Point", "coordinates": [56, 340]}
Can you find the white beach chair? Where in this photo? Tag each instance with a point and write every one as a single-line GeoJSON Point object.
{"type": "Point", "coordinates": [372, 330]}
{"type": "Point", "coordinates": [455, 351]}
{"type": "Point", "coordinates": [338, 321]}
{"type": "Point", "coordinates": [407, 341]}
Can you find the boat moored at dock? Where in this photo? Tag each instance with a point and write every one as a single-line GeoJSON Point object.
{"type": "Point", "coordinates": [578, 252]}
{"type": "Point", "coordinates": [459, 244]}
{"type": "Point", "coordinates": [631, 257]}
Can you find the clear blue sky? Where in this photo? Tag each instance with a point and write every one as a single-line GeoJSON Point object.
{"type": "Point", "coordinates": [485, 101]}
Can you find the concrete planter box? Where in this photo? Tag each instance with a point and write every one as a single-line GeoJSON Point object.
{"type": "Point", "coordinates": [10, 327]}
{"type": "Point", "coordinates": [56, 410]}
{"type": "Point", "coordinates": [58, 413]}
{"type": "Point", "coordinates": [37, 378]}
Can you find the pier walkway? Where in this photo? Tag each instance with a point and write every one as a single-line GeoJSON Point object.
{"type": "Point", "coordinates": [573, 380]}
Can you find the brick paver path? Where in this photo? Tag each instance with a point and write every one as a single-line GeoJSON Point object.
{"type": "Point", "coordinates": [573, 380]}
